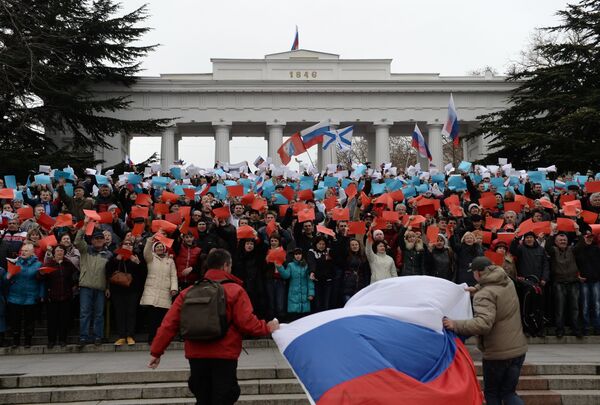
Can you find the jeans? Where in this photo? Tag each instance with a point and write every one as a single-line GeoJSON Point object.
{"type": "Point", "coordinates": [566, 295]}
{"type": "Point", "coordinates": [323, 290]}
{"type": "Point", "coordinates": [275, 291]}
{"type": "Point", "coordinates": [214, 381]}
{"type": "Point", "coordinates": [91, 308]}
{"type": "Point", "coordinates": [590, 303]}
{"type": "Point", "coordinates": [500, 379]}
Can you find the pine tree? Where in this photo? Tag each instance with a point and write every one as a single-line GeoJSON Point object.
{"type": "Point", "coordinates": [52, 54]}
{"type": "Point", "coordinates": [554, 115]}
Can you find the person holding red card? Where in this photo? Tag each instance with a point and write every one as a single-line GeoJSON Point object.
{"type": "Point", "coordinates": [125, 265]}
{"type": "Point", "coordinates": [59, 277]}
{"type": "Point", "coordinates": [24, 293]}
{"type": "Point", "coordinates": [11, 240]}
{"type": "Point", "coordinates": [161, 284]}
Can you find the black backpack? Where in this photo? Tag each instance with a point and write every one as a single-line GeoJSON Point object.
{"type": "Point", "coordinates": [204, 311]}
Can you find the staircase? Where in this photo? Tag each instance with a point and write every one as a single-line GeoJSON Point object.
{"type": "Point", "coordinates": [540, 384]}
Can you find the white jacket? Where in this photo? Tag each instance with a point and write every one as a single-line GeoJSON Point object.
{"type": "Point", "coordinates": [382, 265]}
{"type": "Point", "coordinates": [161, 279]}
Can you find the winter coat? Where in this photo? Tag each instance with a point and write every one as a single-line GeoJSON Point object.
{"type": "Point", "coordinates": [382, 266]}
{"type": "Point", "coordinates": [92, 269]}
{"type": "Point", "coordinates": [413, 261]}
{"type": "Point", "coordinates": [464, 255]}
{"type": "Point", "coordinates": [10, 244]}
{"type": "Point", "coordinates": [496, 317]}
{"type": "Point", "coordinates": [59, 284]}
{"type": "Point", "coordinates": [240, 317]}
{"type": "Point", "coordinates": [75, 206]}
{"type": "Point", "coordinates": [588, 261]}
{"type": "Point", "coordinates": [439, 263]}
{"type": "Point", "coordinates": [137, 271]}
{"type": "Point", "coordinates": [562, 263]}
{"type": "Point", "coordinates": [531, 260]}
{"type": "Point", "coordinates": [357, 275]}
{"type": "Point", "coordinates": [301, 286]}
{"type": "Point", "coordinates": [188, 256]}
{"type": "Point", "coordinates": [320, 264]}
{"type": "Point", "coordinates": [161, 279]}
{"type": "Point", "coordinates": [25, 288]}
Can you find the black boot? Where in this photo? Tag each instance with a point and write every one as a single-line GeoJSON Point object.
{"type": "Point", "coordinates": [2, 339]}
{"type": "Point", "coordinates": [27, 342]}
{"type": "Point", "coordinates": [16, 340]}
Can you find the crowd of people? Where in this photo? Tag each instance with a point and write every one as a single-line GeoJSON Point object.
{"type": "Point", "coordinates": [301, 242]}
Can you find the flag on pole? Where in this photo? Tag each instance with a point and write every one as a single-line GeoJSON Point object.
{"type": "Point", "coordinates": [312, 136]}
{"type": "Point", "coordinates": [296, 42]}
{"type": "Point", "coordinates": [418, 142]}
{"type": "Point", "coordinates": [292, 147]}
{"type": "Point", "coordinates": [128, 161]}
{"type": "Point", "coordinates": [395, 349]}
{"type": "Point", "coordinates": [451, 127]}
{"type": "Point", "coordinates": [341, 137]}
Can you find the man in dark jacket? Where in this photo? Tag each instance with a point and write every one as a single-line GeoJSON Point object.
{"type": "Point", "coordinates": [565, 287]}
{"type": "Point", "coordinates": [531, 258]}
{"type": "Point", "coordinates": [587, 255]}
{"type": "Point", "coordinates": [213, 364]}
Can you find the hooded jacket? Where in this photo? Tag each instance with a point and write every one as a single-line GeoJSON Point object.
{"type": "Point", "coordinates": [161, 278]}
{"type": "Point", "coordinates": [496, 317]}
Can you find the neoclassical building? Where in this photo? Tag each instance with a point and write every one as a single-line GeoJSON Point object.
{"type": "Point", "coordinates": [288, 91]}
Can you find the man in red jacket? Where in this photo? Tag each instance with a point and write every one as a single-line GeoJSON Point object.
{"type": "Point", "coordinates": [213, 364]}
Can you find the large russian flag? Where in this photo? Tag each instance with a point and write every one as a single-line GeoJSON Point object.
{"type": "Point", "coordinates": [418, 142]}
{"type": "Point", "coordinates": [451, 127]}
{"type": "Point", "coordinates": [313, 135]}
{"type": "Point", "coordinates": [386, 346]}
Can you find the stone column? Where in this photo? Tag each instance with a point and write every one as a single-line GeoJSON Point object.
{"type": "Point", "coordinates": [176, 145]}
{"type": "Point", "coordinates": [329, 155]}
{"type": "Point", "coordinates": [382, 143]}
{"type": "Point", "coordinates": [371, 142]}
{"type": "Point", "coordinates": [274, 140]}
{"type": "Point", "coordinates": [167, 148]}
{"type": "Point", "coordinates": [436, 144]}
{"type": "Point", "coordinates": [222, 142]}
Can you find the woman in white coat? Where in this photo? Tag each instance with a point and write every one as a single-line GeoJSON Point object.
{"type": "Point", "coordinates": [382, 265]}
{"type": "Point", "coordinates": [161, 284]}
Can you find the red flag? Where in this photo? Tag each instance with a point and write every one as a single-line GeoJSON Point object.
{"type": "Point", "coordinates": [292, 147]}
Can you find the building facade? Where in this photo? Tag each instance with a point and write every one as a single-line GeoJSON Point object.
{"type": "Point", "coordinates": [286, 92]}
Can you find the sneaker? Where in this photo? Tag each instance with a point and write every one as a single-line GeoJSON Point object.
{"type": "Point", "coordinates": [130, 341]}
{"type": "Point", "coordinates": [50, 345]}
{"type": "Point", "coordinates": [62, 344]}
{"type": "Point", "coordinates": [120, 342]}
{"type": "Point", "coordinates": [97, 341]}
{"type": "Point", "coordinates": [560, 333]}
{"type": "Point", "coordinates": [83, 342]}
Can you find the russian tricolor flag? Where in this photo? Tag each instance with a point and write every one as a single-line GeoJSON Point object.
{"type": "Point", "coordinates": [296, 42]}
{"type": "Point", "coordinates": [386, 346]}
{"type": "Point", "coordinates": [418, 142]}
{"type": "Point", "coordinates": [451, 127]}
{"type": "Point", "coordinates": [312, 136]}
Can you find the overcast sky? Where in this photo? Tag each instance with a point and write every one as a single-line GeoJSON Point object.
{"type": "Point", "coordinates": [433, 36]}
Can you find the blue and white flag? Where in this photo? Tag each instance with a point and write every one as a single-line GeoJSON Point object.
{"type": "Point", "coordinates": [386, 346]}
{"type": "Point", "coordinates": [341, 137]}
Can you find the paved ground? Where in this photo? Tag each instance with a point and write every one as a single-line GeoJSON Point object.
{"type": "Point", "coordinates": [79, 363]}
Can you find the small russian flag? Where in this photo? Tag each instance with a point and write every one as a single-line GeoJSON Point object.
{"type": "Point", "coordinates": [296, 42]}
{"type": "Point", "coordinates": [418, 142]}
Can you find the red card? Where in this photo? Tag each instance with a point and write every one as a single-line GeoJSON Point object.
{"type": "Point", "coordinates": [221, 212]}
{"type": "Point", "coordinates": [13, 268]}
{"type": "Point", "coordinates": [139, 212]}
{"type": "Point", "coordinates": [570, 210]}
{"type": "Point", "coordinates": [573, 203]}
{"type": "Point", "coordinates": [592, 186]}
{"type": "Point", "coordinates": [47, 269]}
{"type": "Point", "coordinates": [351, 191]}
{"type": "Point", "coordinates": [305, 195]}
{"type": "Point", "coordinates": [546, 203]}
{"type": "Point", "coordinates": [506, 237]}
{"type": "Point", "coordinates": [488, 202]}
{"type": "Point", "coordinates": [143, 199]}
{"type": "Point", "coordinates": [432, 233]}
{"type": "Point", "coordinates": [589, 217]}
{"type": "Point", "coordinates": [495, 257]}
{"type": "Point", "coordinates": [161, 209]}
{"type": "Point", "coordinates": [491, 223]}
{"type": "Point", "coordinates": [526, 226]}
{"type": "Point", "coordinates": [385, 199]}
{"type": "Point", "coordinates": [25, 212]}
{"type": "Point", "coordinates": [456, 211]}
{"type": "Point", "coordinates": [417, 221]}
{"type": "Point", "coordinates": [168, 196]}
{"type": "Point", "coordinates": [542, 227]}
{"type": "Point", "coordinates": [164, 240]}
{"type": "Point", "coordinates": [235, 191]}
{"type": "Point", "coordinates": [513, 206]}
{"type": "Point", "coordinates": [565, 198]}
{"type": "Point", "coordinates": [164, 225]}
{"type": "Point", "coordinates": [185, 228]}
{"type": "Point", "coordinates": [89, 229]}
{"type": "Point", "coordinates": [248, 199]}
{"type": "Point", "coordinates": [357, 228]}
{"type": "Point", "coordinates": [245, 232]}
{"type": "Point", "coordinates": [259, 204]}
{"type": "Point", "coordinates": [45, 221]}
{"type": "Point", "coordinates": [307, 214]}
{"type": "Point", "coordinates": [429, 201]}
{"type": "Point", "coordinates": [276, 256]}
{"type": "Point", "coordinates": [391, 216]}
{"type": "Point", "coordinates": [174, 218]}
{"type": "Point", "coordinates": [138, 229]}
{"type": "Point", "coordinates": [288, 193]}
{"type": "Point", "coordinates": [93, 215]}
{"type": "Point", "coordinates": [521, 199]}
{"type": "Point", "coordinates": [341, 214]}
{"type": "Point", "coordinates": [7, 193]}
{"type": "Point", "coordinates": [364, 200]}
{"type": "Point", "coordinates": [190, 193]}
{"type": "Point", "coordinates": [106, 217]}
{"type": "Point", "coordinates": [452, 201]}
{"type": "Point", "coordinates": [325, 231]}
{"type": "Point", "coordinates": [271, 227]}
{"type": "Point", "coordinates": [299, 207]}
{"type": "Point", "coordinates": [185, 211]}
{"type": "Point", "coordinates": [426, 209]}
{"type": "Point", "coordinates": [486, 237]}
{"type": "Point", "coordinates": [565, 225]}
{"type": "Point", "coordinates": [125, 253]}
{"type": "Point", "coordinates": [330, 203]}
{"type": "Point", "coordinates": [283, 209]}
{"type": "Point", "coordinates": [64, 220]}
{"type": "Point", "coordinates": [595, 229]}
{"type": "Point", "coordinates": [47, 241]}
